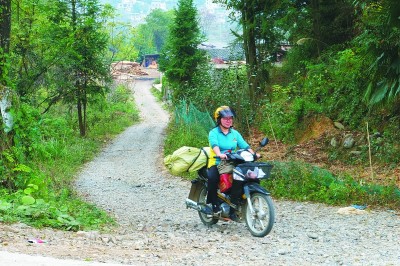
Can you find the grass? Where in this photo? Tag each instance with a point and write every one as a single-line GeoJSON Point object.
{"type": "Point", "coordinates": [296, 180]}
{"type": "Point", "coordinates": [45, 195]}
{"type": "Point", "coordinates": [304, 182]}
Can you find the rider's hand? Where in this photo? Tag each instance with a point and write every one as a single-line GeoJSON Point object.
{"type": "Point", "coordinates": [223, 156]}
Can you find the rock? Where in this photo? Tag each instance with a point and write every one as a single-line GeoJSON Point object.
{"type": "Point", "coordinates": [356, 153]}
{"type": "Point", "coordinates": [81, 234]}
{"type": "Point", "coordinates": [283, 252]}
{"type": "Point", "coordinates": [10, 229]}
{"type": "Point", "coordinates": [91, 235]}
{"type": "Point", "coordinates": [348, 142]}
{"type": "Point", "coordinates": [105, 239]}
{"type": "Point", "coordinates": [339, 125]}
{"type": "Point", "coordinates": [334, 142]}
{"type": "Point", "coordinates": [350, 210]}
{"type": "Point", "coordinates": [312, 235]}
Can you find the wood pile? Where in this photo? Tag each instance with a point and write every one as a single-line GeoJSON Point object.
{"type": "Point", "coordinates": [127, 68]}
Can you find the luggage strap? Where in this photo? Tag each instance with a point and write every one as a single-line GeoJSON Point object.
{"type": "Point", "coordinates": [201, 150]}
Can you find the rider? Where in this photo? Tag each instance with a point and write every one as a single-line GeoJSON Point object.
{"type": "Point", "coordinates": [222, 139]}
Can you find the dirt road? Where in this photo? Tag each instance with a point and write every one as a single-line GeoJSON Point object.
{"type": "Point", "coordinates": [128, 180]}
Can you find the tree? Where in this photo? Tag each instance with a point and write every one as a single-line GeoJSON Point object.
{"type": "Point", "coordinates": [121, 37]}
{"type": "Point", "coordinates": [78, 29]}
{"type": "Point", "coordinates": [259, 36]}
{"type": "Point", "coordinates": [181, 57]}
{"type": "Point", "coordinates": [331, 23]}
{"type": "Point", "coordinates": [150, 37]}
{"type": "Point", "coordinates": [381, 38]}
{"type": "Point", "coordinates": [157, 25]}
{"type": "Point", "coordinates": [5, 30]}
{"type": "Point", "coordinates": [266, 24]}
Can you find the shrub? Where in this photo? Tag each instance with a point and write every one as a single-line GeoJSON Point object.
{"type": "Point", "coordinates": [304, 182]}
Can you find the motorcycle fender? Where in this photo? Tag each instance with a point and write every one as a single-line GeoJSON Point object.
{"type": "Point", "coordinates": [254, 187]}
{"type": "Point", "coordinates": [195, 190]}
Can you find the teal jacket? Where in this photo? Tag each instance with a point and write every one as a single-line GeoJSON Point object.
{"type": "Point", "coordinates": [226, 143]}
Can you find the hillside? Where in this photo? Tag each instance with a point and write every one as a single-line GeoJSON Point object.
{"type": "Point", "coordinates": [315, 147]}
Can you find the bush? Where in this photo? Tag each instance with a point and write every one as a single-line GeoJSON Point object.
{"type": "Point", "coordinates": [189, 127]}
{"type": "Point", "coordinates": [304, 182]}
{"type": "Point", "coordinates": [37, 174]}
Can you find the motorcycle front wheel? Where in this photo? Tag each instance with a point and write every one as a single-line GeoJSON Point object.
{"type": "Point", "coordinates": [260, 221]}
{"type": "Point", "coordinates": [205, 219]}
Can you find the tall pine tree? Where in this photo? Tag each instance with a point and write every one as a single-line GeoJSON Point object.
{"type": "Point", "coordinates": [182, 57]}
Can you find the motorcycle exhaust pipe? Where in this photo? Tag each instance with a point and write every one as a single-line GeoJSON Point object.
{"type": "Point", "coordinates": [193, 205]}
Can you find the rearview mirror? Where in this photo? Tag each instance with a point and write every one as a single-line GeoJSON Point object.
{"type": "Point", "coordinates": [264, 142]}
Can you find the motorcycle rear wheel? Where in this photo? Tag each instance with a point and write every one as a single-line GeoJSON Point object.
{"type": "Point", "coordinates": [205, 219]}
{"type": "Point", "coordinates": [261, 221]}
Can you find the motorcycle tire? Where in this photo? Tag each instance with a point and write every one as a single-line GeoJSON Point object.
{"type": "Point", "coordinates": [205, 219]}
{"type": "Point", "coordinates": [261, 221]}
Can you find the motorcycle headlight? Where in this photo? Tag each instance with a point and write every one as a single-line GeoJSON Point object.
{"type": "Point", "coordinates": [247, 156]}
{"type": "Point", "coordinates": [237, 175]}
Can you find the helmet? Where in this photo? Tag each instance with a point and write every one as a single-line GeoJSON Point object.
{"type": "Point", "coordinates": [223, 111]}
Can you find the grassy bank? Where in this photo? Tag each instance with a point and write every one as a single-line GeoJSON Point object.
{"type": "Point", "coordinates": [293, 180]}
{"type": "Point", "coordinates": [43, 194]}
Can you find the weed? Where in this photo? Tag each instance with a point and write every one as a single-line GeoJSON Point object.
{"type": "Point", "coordinates": [39, 191]}
{"type": "Point", "coordinates": [304, 182]}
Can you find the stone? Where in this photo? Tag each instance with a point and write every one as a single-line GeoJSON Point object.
{"type": "Point", "coordinates": [334, 142]}
{"type": "Point", "coordinates": [339, 125]}
{"type": "Point", "coordinates": [348, 142]}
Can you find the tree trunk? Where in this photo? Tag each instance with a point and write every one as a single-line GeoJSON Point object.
{"type": "Point", "coordinates": [316, 24]}
{"type": "Point", "coordinates": [5, 31]}
{"type": "Point", "coordinates": [5, 92]}
{"type": "Point", "coordinates": [80, 108]}
{"type": "Point", "coordinates": [250, 48]}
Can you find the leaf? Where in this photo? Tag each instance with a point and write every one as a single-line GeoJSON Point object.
{"type": "Point", "coordinates": [8, 156]}
{"type": "Point", "coordinates": [22, 168]}
{"type": "Point", "coordinates": [4, 205]}
{"type": "Point", "coordinates": [28, 200]}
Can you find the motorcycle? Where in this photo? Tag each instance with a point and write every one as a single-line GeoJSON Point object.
{"type": "Point", "coordinates": [254, 204]}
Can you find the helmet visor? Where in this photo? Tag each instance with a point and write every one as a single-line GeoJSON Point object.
{"type": "Point", "coordinates": [226, 113]}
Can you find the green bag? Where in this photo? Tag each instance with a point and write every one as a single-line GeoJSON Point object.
{"type": "Point", "coordinates": [187, 159]}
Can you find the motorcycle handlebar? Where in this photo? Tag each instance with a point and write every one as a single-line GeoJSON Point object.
{"type": "Point", "coordinates": [229, 158]}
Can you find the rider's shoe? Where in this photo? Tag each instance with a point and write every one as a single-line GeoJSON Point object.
{"type": "Point", "coordinates": [216, 209]}
{"type": "Point", "coordinates": [234, 217]}
{"type": "Point", "coordinates": [206, 209]}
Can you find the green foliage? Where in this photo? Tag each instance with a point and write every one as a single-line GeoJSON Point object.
{"type": "Point", "coordinates": [278, 122]}
{"type": "Point", "coordinates": [38, 191]}
{"type": "Point", "coordinates": [285, 120]}
{"type": "Point", "coordinates": [120, 42]}
{"type": "Point", "coordinates": [119, 105]}
{"type": "Point", "coordinates": [381, 41]}
{"type": "Point", "coordinates": [63, 211]}
{"type": "Point", "coordinates": [217, 87]}
{"type": "Point", "coordinates": [181, 58]}
{"type": "Point", "coordinates": [304, 182]}
{"type": "Point", "coordinates": [189, 127]}
{"type": "Point", "coordinates": [152, 35]}
{"type": "Point", "coordinates": [331, 87]}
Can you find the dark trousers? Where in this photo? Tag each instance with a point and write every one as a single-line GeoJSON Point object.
{"type": "Point", "coordinates": [213, 181]}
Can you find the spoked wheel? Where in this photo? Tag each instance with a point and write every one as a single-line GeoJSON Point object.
{"type": "Point", "coordinates": [204, 217]}
{"type": "Point", "coordinates": [260, 221]}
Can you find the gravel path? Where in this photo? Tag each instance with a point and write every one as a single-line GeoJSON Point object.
{"type": "Point", "coordinates": [128, 180]}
